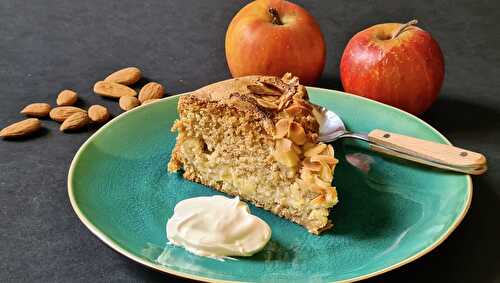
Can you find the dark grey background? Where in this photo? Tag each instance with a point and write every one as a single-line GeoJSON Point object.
{"type": "Point", "coordinates": [46, 46]}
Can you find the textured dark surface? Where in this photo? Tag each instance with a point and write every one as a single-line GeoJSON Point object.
{"type": "Point", "coordinates": [47, 46]}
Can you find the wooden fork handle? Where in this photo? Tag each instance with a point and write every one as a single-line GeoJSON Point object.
{"type": "Point", "coordinates": [426, 150]}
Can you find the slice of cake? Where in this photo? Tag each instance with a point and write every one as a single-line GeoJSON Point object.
{"type": "Point", "coordinates": [256, 137]}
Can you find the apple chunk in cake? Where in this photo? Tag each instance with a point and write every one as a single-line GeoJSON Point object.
{"type": "Point", "coordinates": [256, 137]}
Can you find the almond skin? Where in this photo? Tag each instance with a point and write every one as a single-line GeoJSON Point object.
{"type": "Point", "coordinates": [151, 90]}
{"type": "Point", "coordinates": [61, 113]}
{"type": "Point", "coordinates": [36, 110]}
{"type": "Point", "coordinates": [128, 102]}
{"type": "Point", "coordinates": [66, 98]}
{"type": "Point", "coordinates": [113, 90]}
{"type": "Point", "coordinates": [75, 122]}
{"type": "Point", "coordinates": [22, 128]}
{"type": "Point", "coordinates": [126, 76]}
{"type": "Point", "coordinates": [98, 113]}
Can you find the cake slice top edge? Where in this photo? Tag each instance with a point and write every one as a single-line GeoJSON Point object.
{"type": "Point", "coordinates": [267, 98]}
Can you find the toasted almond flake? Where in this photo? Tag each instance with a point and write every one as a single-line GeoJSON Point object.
{"type": "Point", "coordinates": [266, 104]}
{"type": "Point", "coordinates": [297, 134]}
{"type": "Point", "coordinates": [329, 159]}
{"type": "Point", "coordinates": [263, 90]}
{"type": "Point", "coordinates": [287, 77]}
{"type": "Point", "coordinates": [318, 181]}
{"type": "Point", "coordinates": [319, 200]}
{"type": "Point", "coordinates": [283, 145]}
{"type": "Point", "coordinates": [329, 150]}
{"type": "Point", "coordinates": [282, 127]}
{"type": "Point", "coordinates": [330, 195]}
{"type": "Point", "coordinates": [303, 103]}
{"type": "Point", "coordinates": [313, 187]}
{"type": "Point", "coordinates": [312, 166]}
{"type": "Point", "coordinates": [326, 172]}
{"type": "Point", "coordinates": [308, 145]}
{"type": "Point", "coordinates": [315, 150]}
{"type": "Point", "coordinates": [275, 83]}
{"type": "Point", "coordinates": [270, 98]}
{"type": "Point", "coordinates": [297, 149]}
{"type": "Point", "coordinates": [285, 100]}
{"type": "Point", "coordinates": [296, 109]}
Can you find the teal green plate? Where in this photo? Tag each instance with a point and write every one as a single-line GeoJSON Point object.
{"type": "Point", "coordinates": [390, 213]}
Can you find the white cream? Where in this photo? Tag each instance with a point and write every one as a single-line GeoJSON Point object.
{"type": "Point", "coordinates": [217, 227]}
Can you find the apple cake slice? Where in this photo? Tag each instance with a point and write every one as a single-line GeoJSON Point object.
{"type": "Point", "coordinates": [256, 137]}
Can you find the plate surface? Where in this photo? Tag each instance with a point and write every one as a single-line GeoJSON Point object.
{"type": "Point", "coordinates": [390, 212]}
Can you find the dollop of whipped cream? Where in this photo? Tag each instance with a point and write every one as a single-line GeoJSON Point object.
{"type": "Point", "coordinates": [217, 227]}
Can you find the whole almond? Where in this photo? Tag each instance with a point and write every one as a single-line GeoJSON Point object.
{"type": "Point", "coordinates": [151, 90]}
{"type": "Point", "coordinates": [150, 101]}
{"type": "Point", "coordinates": [125, 76]}
{"type": "Point", "coordinates": [61, 113]}
{"type": "Point", "coordinates": [36, 110]}
{"type": "Point", "coordinates": [128, 102]}
{"type": "Point", "coordinates": [98, 113]}
{"type": "Point", "coordinates": [22, 128]}
{"type": "Point", "coordinates": [75, 122]}
{"type": "Point", "coordinates": [66, 97]}
{"type": "Point", "coordinates": [115, 90]}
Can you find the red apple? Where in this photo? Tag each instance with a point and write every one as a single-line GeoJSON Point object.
{"type": "Point", "coordinates": [272, 37]}
{"type": "Point", "coordinates": [400, 65]}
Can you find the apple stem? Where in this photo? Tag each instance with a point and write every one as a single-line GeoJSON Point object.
{"type": "Point", "coordinates": [404, 27]}
{"type": "Point", "coordinates": [275, 16]}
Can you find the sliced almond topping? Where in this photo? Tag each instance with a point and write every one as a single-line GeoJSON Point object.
{"type": "Point", "coordinates": [297, 134]}
{"type": "Point", "coordinates": [282, 127]}
{"type": "Point", "coordinates": [270, 98]}
{"type": "Point", "coordinates": [312, 166]}
{"type": "Point", "coordinates": [266, 104]}
{"type": "Point", "coordinates": [308, 145]}
{"type": "Point", "coordinates": [316, 189]}
{"type": "Point", "coordinates": [331, 196]}
{"type": "Point", "coordinates": [296, 149]}
{"type": "Point", "coordinates": [287, 77]}
{"type": "Point", "coordinates": [303, 103]}
{"type": "Point", "coordinates": [275, 83]}
{"type": "Point", "coordinates": [326, 173]}
{"type": "Point", "coordinates": [283, 145]}
{"type": "Point", "coordinates": [263, 90]}
{"type": "Point", "coordinates": [319, 182]}
{"type": "Point", "coordinates": [329, 150]}
{"type": "Point", "coordinates": [328, 159]}
{"type": "Point", "coordinates": [285, 100]}
{"type": "Point", "coordinates": [318, 200]}
{"type": "Point", "coordinates": [296, 109]}
{"type": "Point", "coordinates": [315, 150]}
